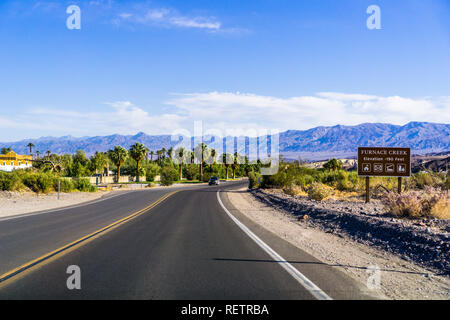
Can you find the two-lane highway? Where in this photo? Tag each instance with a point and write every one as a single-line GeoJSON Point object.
{"type": "Point", "coordinates": [185, 247]}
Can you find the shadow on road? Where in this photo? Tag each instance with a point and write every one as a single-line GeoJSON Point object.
{"type": "Point", "coordinates": [317, 263]}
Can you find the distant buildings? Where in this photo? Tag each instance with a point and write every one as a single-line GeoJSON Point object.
{"type": "Point", "coordinates": [13, 161]}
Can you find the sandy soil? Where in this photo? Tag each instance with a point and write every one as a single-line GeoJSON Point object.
{"type": "Point", "coordinates": [14, 203]}
{"type": "Point", "coordinates": [400, 279]}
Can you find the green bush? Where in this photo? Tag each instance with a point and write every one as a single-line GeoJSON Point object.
{"type": "Point", "coordinates": [253, 180]}
{"type": "Point", "coordinates": [39, 182]}
{"type": "Point", "coordinates": [66, 185]}
{"type": "Point", "coordinates": [318, 191]}
{"type": "Point", "coordinates": [190, 172]}
{"type": "Point", "coordinates": [10, 181]}
{"type": "Point", "coordinates": [83, 185]}
{"type": "Point", "coordinates": [168, 176]}
{"type": "Point", "coordinates": [152, 171]}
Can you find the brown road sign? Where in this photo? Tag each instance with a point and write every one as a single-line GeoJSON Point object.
{"type": "Point", "coordinates": [384, 162]}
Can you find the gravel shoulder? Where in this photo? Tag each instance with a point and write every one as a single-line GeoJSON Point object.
{"type": "Point", "coordinates": [16, 203]}
{"type": "Point", "coordinates": [331, 232]}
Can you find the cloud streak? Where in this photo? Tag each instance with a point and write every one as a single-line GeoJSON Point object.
{"type": "Point", "coordinates": [233, 112]}
{"type": "Point", "coordinates": [169, 18]}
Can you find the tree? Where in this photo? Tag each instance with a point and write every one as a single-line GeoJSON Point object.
{"type": "Point", "coordinates": [333, 165]}
{"type": "Point", "coordinates": [138, 152]}
{"type": "Point", "coordinates": [31, 146]}
{"type": "Point", "coordinates": [99, 161]}
{"type": "Point", "coordinates": [235, 164]}
{"type": "Point", "coordinates": [37, 154]}
{"type": "Point", "coordinates": [181, 156]}
{"type": "Point", "coordinates": [48, 153]}
{"type": "Point", "coordinates": [213, 156]}
{"type": "Point", "coordinates": [118, 156]}
{"type": "Point", "coordinates": [227, 159]}
{"type": "Point", "coordinates": [170, 153]}
{"type": "Point", "coordinates": [152, 153]}
{"type": "Point", "coordinates": [200, 152]}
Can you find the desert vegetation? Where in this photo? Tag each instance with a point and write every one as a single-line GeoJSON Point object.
{"type": "Point", "coordinates": [425, 194]}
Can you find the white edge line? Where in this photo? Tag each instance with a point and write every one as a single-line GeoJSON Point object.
{"type": "Point", "coordinates": [297, 275]}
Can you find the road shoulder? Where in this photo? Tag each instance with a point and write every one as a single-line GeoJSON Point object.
{"type": "Point", "coordinates": [400, 279]}
{"type": "Point", "coordinates": [327, 277]}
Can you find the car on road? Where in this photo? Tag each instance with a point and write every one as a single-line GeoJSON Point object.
{"type": "Point", "coordinates": [214, 181]}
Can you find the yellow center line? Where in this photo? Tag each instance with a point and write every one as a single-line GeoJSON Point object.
{"type": "Point", "coordinates": [81, 241]}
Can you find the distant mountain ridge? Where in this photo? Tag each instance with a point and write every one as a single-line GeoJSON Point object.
{"type": "Point", "coordinates": [313, 144]}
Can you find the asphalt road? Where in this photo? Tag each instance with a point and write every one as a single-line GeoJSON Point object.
{"type": "Point", "coordinates": [185, 247]}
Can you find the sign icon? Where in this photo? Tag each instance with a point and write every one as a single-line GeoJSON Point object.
{"type": "Point", "coordinates": [378, 167]}
{"type": "Point", "coordinates": [401, 168]}
{"type": "Point", "coordinates": [367, 167]}
{"type": "Point", "coordinates": [390, 167]}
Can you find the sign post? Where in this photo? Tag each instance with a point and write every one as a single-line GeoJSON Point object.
{"type": "Point", "coordinates": [383, 162]}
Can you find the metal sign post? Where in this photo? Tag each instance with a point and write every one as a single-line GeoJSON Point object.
{"type": "Point", "coordinates": [383, 162]}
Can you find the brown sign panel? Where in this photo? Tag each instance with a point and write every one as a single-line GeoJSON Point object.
{"type": "Point", "coordinates": [384, 162]}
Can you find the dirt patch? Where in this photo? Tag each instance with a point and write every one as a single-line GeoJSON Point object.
{"type": "Point", "coordinates": [14, 203]}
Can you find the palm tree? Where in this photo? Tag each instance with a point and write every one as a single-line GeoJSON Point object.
{"type": "Point", "coordinates": [163, 152]}
{"type": "Point", "coordinates": [169, 152]}
{"type": "Point", "coordinates": [181, 152]}
{"type": "Point", "coordinates": [200, 153]}
{"type": "Point", "coordinates": [118, 156]}
{"type": "Point", "coordinates": [38, 153]}
{"type": "Point", "coordinates": [138, 152]}
{"type": "Point", "coordinates": [31, 146]}
{"type": "Point", "coordinates": [152, 153]}
{"type": "Point", "coordinates": [226, 160]}
{"type": "Point", "coordinates": [235, 164]}
{"type": "Point", "coordinates": [48, 153]}
{"type": "Point", "coordinates": [158, 153]}
{"type": "Point", "coordinates": [213, 156]}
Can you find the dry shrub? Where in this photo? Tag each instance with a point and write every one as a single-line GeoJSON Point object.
{"type": "Point", "coordinates": [318, 191]}
{"type": "Point", "coordinates": [431, 202]}
{"type": "Point", "coordinates": [294, 190]}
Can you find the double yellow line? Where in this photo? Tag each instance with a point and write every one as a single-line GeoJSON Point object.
{"type": "Point", "coordinates": [78, 243]}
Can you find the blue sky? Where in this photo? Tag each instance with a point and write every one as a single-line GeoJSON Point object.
{"type": "Point", "coordinates": [158, 66]}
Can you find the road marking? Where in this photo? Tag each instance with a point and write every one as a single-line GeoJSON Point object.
{"type": "Point", "coordinates": [81, 241]}
{"type": "Point", "coordinates": [297, 275]}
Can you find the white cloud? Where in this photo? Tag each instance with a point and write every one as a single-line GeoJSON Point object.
{"type": "Point", "coordinates": [227, 109]}
{"type": "Point", "coordinates": [230, 113]}
{"type": "Point", "coordinates": [171, 18]}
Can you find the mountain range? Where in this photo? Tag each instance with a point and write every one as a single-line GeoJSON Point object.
{"type": "Point", "coordinates": [313, 144]}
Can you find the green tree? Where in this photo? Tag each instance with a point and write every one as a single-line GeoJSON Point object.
{"type": "Point", "coordinates": [99, 161]}
{"type": "Point", "coordinates": [227, 160]}
{"type": "Point", "coordinates": [6, 150]}
{"type": "Point", "coordinates": [138, 152]}
{"type": "Point", "coordinates": [333, 165]}
{"type": "Point", "coordinates": [118, 156]}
